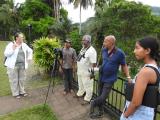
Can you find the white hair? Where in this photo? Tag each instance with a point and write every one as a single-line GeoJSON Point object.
{"type": "Point", "coordinates": [111, 37]}
{"type": "Point", "coordinates": [87, 38]}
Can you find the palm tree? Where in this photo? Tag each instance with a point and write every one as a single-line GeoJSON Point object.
{"type": "Point", "coordinates": [9, 2]}
{"type": "Point", "coordinates": [81, 3]}
{"type": "Point", "coordinates": [7, 17]}
{"type": "Point", "coordinates": [55, 5]}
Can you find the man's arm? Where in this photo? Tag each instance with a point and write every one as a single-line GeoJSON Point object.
{"type": "Point", "coordinates": [61, 60]}
{"type": "Point", "coordinates": [74, 62]}
{"type": "Point", "coordinates": [91, 70]}
{"type": "Point", "coordinates": [126, 72]}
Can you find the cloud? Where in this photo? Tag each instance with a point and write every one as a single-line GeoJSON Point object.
{"type": "Point", "coordinates": [149, 2]}
{"type": "Point", "coordinates": [74, 14]}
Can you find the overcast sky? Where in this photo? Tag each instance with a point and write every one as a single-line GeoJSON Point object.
{"type": "Point", "coordinates": [73, 14]}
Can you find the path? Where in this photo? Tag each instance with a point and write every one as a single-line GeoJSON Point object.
{"type": "Point", "coordinates": [65, 107]}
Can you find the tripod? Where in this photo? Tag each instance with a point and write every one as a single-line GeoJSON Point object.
{"type": "Point", "coordinates": [55, 67]}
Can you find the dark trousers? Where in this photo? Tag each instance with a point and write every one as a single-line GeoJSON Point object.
{"type": "Point", "coordinates": [104, 90]}
{"type": "Point", "coordinates": [68, 77]}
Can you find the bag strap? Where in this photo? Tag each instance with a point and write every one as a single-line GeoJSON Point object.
{"type": "Point", "coordinates": [157, 73]}
{"type": "Point", "coordinates": [84, 50]}
{"type": "Point", "coordinates": [112, 51]}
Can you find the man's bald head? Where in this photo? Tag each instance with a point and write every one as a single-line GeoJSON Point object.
{"type": "Point", "coordinates": [109, 41]}
{"type": "Point", "coordinates": [111, 38]}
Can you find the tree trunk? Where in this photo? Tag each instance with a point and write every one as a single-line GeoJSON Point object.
{"type": "Point", "coordinates": [80, 20]}
{"type": "Point", "coordinates": [56, 11]}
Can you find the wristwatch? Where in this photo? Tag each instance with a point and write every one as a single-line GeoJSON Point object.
{"type": "Point", "coordinates": [129, 77]}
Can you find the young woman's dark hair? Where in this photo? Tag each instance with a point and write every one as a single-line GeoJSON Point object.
{"type": "Point", "coordinates": [152, 44]}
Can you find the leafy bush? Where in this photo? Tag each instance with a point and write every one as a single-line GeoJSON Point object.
{"type": "Point", "coordinates": [128, 47]}
{"type": "Point", "coordinates": [76, 40]}
{"type": "Point", "coordinates": [44, 51]}
{"type": "Point", "coordinates": [39, 28]}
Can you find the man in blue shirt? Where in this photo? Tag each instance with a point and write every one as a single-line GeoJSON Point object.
{"type": "Point", "coordinates": [112, 58]}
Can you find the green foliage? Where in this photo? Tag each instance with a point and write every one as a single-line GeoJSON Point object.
{"type": "Point", "coordinates": [126, 20]}
{"type": "Point", "coordinates": [34, 113]}
{"type": "Point", "coordinates": [63, 13]}
{"type": "Point", "coordinates": [128, 47]}
{"type": "Point", "coordinates": [55, 6]}
{"type": "Point", "coordinates": [44, 52]}
{"type": "Point", "coordinates": [39, 28]}
{"type": "Point", "coordinates": [8, 18]}
{"type": "Point", "coordinates": [9, 2]}
{"type": "Point", "coordinates": [34, 9]}
{"type": "Point", "coordinates": [157, 26]}
{"type": "Point", "coordinates": [76, 40]}
{"type": "Point", "coordinates": [37, 14]}
{"type": "Point", "coordinates": [62, 27]}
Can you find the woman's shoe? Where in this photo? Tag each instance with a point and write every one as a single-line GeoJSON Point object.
{"type": "Point", "coordinates": [64, 93]}
{"type": "Point", "coordinates": [71, 91]}
{"type": "Point", "coordinates": [18, 96]}
{"type": "Point", "coordinates": [84, 102]}
{"type": "Point", "coordinates": [92, 106]}
{"type": "Point", "coordinates": [96, 115]}
{"type": "Point", "coordinates": [24, 95]}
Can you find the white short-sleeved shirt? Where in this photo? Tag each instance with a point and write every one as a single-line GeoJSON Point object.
{"type": "Point", "coordinates": [86, 62]}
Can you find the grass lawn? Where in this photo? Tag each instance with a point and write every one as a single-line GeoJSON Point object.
{"type": "Point", "coordinates": [4, 84]}
{"type": "Point", "coordinates": [34, 113]}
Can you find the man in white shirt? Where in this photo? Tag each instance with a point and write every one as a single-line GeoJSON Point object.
{"type": "Point", "coordinates": [86, 60]}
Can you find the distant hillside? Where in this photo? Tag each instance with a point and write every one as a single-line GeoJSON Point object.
{"type": "Point", "coordinates": [155, 10]}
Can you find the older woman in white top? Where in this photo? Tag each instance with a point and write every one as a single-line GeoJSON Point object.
{"type": "Point", "coordinates": [18, 55]}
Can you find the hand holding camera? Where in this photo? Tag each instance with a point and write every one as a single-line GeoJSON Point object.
{"type": "Point", "coordinates": [92, 71]}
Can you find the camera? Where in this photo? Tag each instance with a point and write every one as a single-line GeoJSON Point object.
{"type": "Point", "coordinates": [57, 50]}
{"type": "Point", "coordinates": [79, 57]}
{"type": "Point", "coordinates": [92, 72]}
{"type": "Point", "coordinates": [95, 69]}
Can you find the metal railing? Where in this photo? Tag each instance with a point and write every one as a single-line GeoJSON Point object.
{"type": "Point", "coordinates": [116, 100]}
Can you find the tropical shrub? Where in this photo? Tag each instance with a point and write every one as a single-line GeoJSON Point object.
{"type": "Point", "coordinates": [76, 40]}
{"type": "Point", "coordinates": [38, 28]}
{"type": "Point", "coordinates": [128, 47]}
{"type": "Point", "coordinates": [44, 49]}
